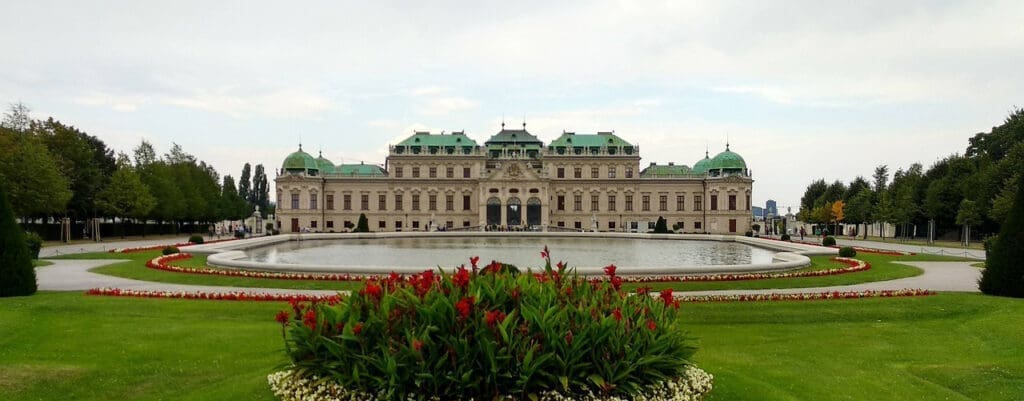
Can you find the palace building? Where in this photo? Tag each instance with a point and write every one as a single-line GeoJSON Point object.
{"type": "Point", "coordinates": [579, 182]}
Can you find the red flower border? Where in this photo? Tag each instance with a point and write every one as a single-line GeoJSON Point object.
{"type": "Point", "coordinates": [160, 247]}
{"type": "Point", "coordinates": [807, 296]}
{"type": "Point", "coordinates": [214, 296]}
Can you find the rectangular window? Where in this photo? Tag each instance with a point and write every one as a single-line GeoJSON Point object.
{"type": "Point", "coordinates": [560, 203]}
{"type": "Point", "coordinates": [645, 203]}
{"type": "Point", "coordinates": [629, 172]}
{"type": "Point", "coordinates": [577, 225]}
{"type": "Point", "coordinates": [577, 172]}
{"type": "Point", "coordinates": [561, 224]}
{"type": "Point", "coordinates": [415, 172]}
{"type": "Point", "coordinates": [295, 201]}
{"type": "Point", "coordinates": [330, 202]}
{"type": "Point", "coordinates": [595, 172]}
{"type": "Point", "coordinates": [312, 201]}
{"type": "Point", "coordinates": [312, 224]}
{"type": "Point", "coordinates": [748, 202]}
{"type": "Point", "coordinates": [714, 202]}
{"type": "Point", "coordinates": [629, 203]}
{"type": "Point", "coordinates": [611, 225]}
{"type": "Point", "coordinates": [449, 224]}
{"type": "Point", "coordinates": [347, 224]}
{"type": "Point", "coordinates": [697, 203]}
{"type": "Point", "coordinates": [415, 201]}
{"type": "Point", "coordinates": [449, 172]}
{"type": "Point", "coordinates": [364, 202]}
{"type": "Point", "coordinates": [594, 198]}
{"type": "Point", "coordinates": [663, 203]}
{"type": "Point", "coordinates": [415, 225]}
{"type": "Point", "coordinates": [696, 225]}
{"type": "Point", "coordinates": [611, 172]}
{"type": "Point", "coordinates": [611, 202]}
{"type": "Point", "coordinates": [465, 223]}
{"type": "Point", "coordinates": [432, 202]}
{"type": "Point", "coordinates": [732, 202]}
{"type": "Point", "coordinates": [449, 202]}
{"type": "Point", "coordinates": [680, 203]}
{"type": "Point", "coordinates": [561, 172]}
{"type": "Point", "coordinates": [433, 172]}
{"type": "Point", "coordinates": [346, 202]}
{"type": "Point", "coordinates": [398, 172]}
{"type": "Point", "coordinates": [398, 201]}
{"type": "Point", "coordinates": [465, 172]}
{"type": "Point", "coordinates": [398, 225]}
{"type": "Point", "coordinates": [330, 223]}
{"type": "Point", "coordinates": [466, 205]}
{"type": "Point", "coordinates": [382, 224]}
{"type": "Point", "coordinates": [382, 202]}
{"type": "Point", "coordinates": [577, 203]}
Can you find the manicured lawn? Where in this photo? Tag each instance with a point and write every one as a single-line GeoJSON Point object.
{"type": "Point", "coordinates": [40, 263]}
{"type": "Point", "coordinates": [883, 268]}
{"type": "Point", "coordinates": [944, 347]}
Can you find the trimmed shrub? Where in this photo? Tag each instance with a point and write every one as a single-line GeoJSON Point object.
{"type": "Point", "coordinates": [486, 334]}
{"type": "Point", "coordinates": [170, 250]}
{"type": "Point", "coordinates": [847, 252]}
{"type": "Point", "coordinates": [195, 239]}
{"type": "Point", "coordinates": [17, 276]}
{"type": "Point", "coordinates": [749, 233]}
{"type": "Point", "coordinates": [829, 241]}
{"type": "Point", "coordinates": [239, 234]}
{"type": "Point", "coordinates": [785, 237]}
{"type": "Point", "coordinates": [661, 226]}
{"type": "Point", "coordinates": [1004, 263]}
{"type": "Point", "coordinates": [34, 242]}
{"type": "Point", "coordinates": [363, 226]}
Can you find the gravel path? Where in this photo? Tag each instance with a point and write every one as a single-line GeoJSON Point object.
{"type": "Point", "coordinates": [86, 247]}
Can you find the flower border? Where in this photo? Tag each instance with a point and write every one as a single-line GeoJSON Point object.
{"type": "Point", "coordinates": [807, 296]}
{"type": "Point", "coordinates": [159, 247]}
{"type": "Point", "coordinates": [214, 296]}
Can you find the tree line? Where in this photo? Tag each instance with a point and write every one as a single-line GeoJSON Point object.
{"type": "Point", "coordinates": [960, 193]}
{"type": "Point", "coordinates": [52, 170]}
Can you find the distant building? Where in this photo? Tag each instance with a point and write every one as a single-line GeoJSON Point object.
{"type": "Point", "coordinates": [514, 182]}
{"type": "Point", "coordinates": [758, 213]}
{"type": "Point", "coordinates": [771, 208]}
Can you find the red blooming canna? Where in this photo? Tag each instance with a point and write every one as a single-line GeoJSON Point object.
{"type": "Point", "coordinates": [494, 317]}
{"type": "Point", "coordinates": [372, 289]}
{"type": "Point", "coordinates": [461, 278]}
{"type": "Point", "coordinates": [651, 325]}
{"type": "Point", "coordinates": [417, 345]}
{"type": "Point", "coordinates": [616, 282]}
{"type": "Point", "coordinates": [473, 261]}
{"type": "Point", "coordinates": [666, 296]}
{"type": "Point", "coordinates": [464, 306]}
{"type": "Point", "coordinates": [282, 317]}
{"type": "Point", "coordinates": [617, 314]}
{"type": "Point", "coordinates": [610, 270]}
{"type": "Point", "coordinates": [309, 319]}
{"type": "Point", "coordinates": [358, 328]}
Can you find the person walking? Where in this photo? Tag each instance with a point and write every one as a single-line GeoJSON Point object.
{"type": "Point", "coordinates": [802, 232]}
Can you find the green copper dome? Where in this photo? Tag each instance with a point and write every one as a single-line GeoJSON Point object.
{"type": "Point", "coordinates": [701, 166]}
{"type": "Point", "coordinates": [727, 160]}
{"type": "Point", "coordinates": [326, 167]}
{"type": "Point", "coordinates": [300, 162]}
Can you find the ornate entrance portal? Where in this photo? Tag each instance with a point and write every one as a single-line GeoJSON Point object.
{"type": "Point", "coordinates": [494, 212]}
{"type": "Point", "coordinates": [533, 210]}
{"type": "Point", "coordinates": [515, 212]}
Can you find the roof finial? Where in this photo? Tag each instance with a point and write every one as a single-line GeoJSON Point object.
{"type": "Point", "coordinates": [503, 122]}
{"type": "Point", "coordinates": [300, 146]}
{"type": "Point", "coordinates": [707, 149]}
{"type": "Point", "coordinates": [727, 141]}
{"type": "Point", "coordinates": [524, 123]}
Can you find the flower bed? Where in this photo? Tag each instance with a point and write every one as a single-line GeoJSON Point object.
{"type": "Point", "coordinates": [806, 296]}
{"type": "Point", "coordinates": [159, 247]}
{"type": "Point", "coordinates": [490, 333]}
{"type": "Point", "coordinates": [290, 385]}
{"type": "Point", "coordinates": [214, 296]}
{"type": "Point", "coordinates": [164, 263]}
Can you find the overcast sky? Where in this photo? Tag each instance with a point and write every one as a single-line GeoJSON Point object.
{"type": "Point", "coordinates": [802, 90]}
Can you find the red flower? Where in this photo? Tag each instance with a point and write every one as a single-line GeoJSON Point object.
{"type": "Point", "coordinates": [617, 314]}
{"type": "Point", "coordinates": [544, 254]}
{"type": "Point", "coordinates": [371, 289]}
{"type": "Point", "coordinates": [464, 306]}
{"type": "Point", "coordinates": [461, 278]}
{"type": "Point", "coordinates": [568, 290]}
{"type": "Point", "coordinates": [568, 337]}
{"type": "Point", "coordinates": [651, 325]}
{"type": "Point", "coordinates": [473, 260]}
{"type": "Point", "coordinates": [561, 265]}
{"type": "Point", "coordinates": [358, 328]}
{"type": "Point", "coordinates": [417, 345]}
{"type": "Point", "coordinates": [610, 270]}
{"type": "Point", "coordinates": [643, 290]}
{"type": "Point", "coordinates": [310, 319]}
{"type": "Point", "coordinates": [666, 296]}
{"type": "Point", "coordinates": [516, 293]}
{"type": "Point", "coordinates": [494, 267]}
{"type": "Point", "coordinates": [494, 317]}
{"type": "Point", "coordinates": [282, 317]}
{"type": "Point", "coordinates": [616, 282]}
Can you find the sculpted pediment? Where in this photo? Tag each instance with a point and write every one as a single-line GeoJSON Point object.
{"type": "Point", "coordinates": [513, 171]}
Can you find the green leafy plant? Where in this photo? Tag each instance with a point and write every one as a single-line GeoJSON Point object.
{"type": "Point", "coordinates": [34, 242]}
{"type": "Point", "coordinates": [847, 252]}
{"type": "Point", "coordinates": [195, 239]}
{"type": "Point", "coordinates": [362, 226]}
{"type": "Point", "coordinates": [828, 241]}
{"type": "Point", "coordinates": [17, 276]}
{"type": "Point", "coordinates": [170, 250]}
{"type": "Point", "coordinates": [487, 333]}
{"type": "Point", "coordinates": [785, 237]}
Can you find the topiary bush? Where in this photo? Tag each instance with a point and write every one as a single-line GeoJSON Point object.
{"type": "Point", "coordinates": [828, 241]}
{"type": "Point", "coordinates": [661, 226]}
{"type": "Point", "coordinates": [785, 237]}
{"type": "Point", "coordinates": [749, 233]}
{"type": "Point", "coordinates": [34, 243]}
{"type": "Point", "coordinates": [195, 239]}
{"type": "Point", "coordinates": [170, 250]}
{"type": "Point", "coordinates": [1004, 262]}
{"type": "Point", "coordinates": [17, 276]}
{"type": "Point", "coordinates": [362, 226]}
{"type": "Point", "coordinates": [847, 252]}
{"type": "Point", "coordinates": [486, 334]}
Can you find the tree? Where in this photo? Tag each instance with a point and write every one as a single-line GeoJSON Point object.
{"type": "Point", "coordinates": [756, 227]}
{"type": "Point", "coordinates": [125, 197]}
{"type": "Point", "coordinates": [245, 184]}
{"type": "Point", "coordinates": [17, 117]}
{"type": "Point", "coordinates": [661, 226]}
{"type": "Point", "coordinates": [84, 160]}
{"type": "Point", "coordinates": [260, 189]}
{"type": "Point", "coordinates": [858, 210]}
{"type": "Point", "coordinates": [1003, 202]}
{"type": "Point", "coordinates": [34, 183]}
{"type": "Point", "coordinates": [233, 207]}
{"type": "Point", "coordinates": [884, 212]}
{"type": "Point", "coordinates": [1004, 271]}
{"type": "Point", "coordinates": [363, 226]}
{"type": "Point", "coordinates": [881, 177]}
{"type": "Point", "coordinates": [837, 213]}
{"type": "Point", "coordinates": [968, 216]}
{"type": "Point", "coordinates": [144, 154]}
{"type": "Point", "coordinates": [17, 275]}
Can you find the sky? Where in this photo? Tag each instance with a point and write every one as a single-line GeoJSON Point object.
{"type": "Point", "coordinates": [801, 89]}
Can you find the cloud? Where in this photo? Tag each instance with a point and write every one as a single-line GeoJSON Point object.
{"type": "Point", "coordinates": [442, 106]}
{"type": "Point", "coordinates": [428, 91]}
{"type": "Point", "coordinates": [278, 103]}
{"type": "Point", "coordinates": [119, 103]}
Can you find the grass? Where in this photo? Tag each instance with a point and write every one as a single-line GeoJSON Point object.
{"type": "Point", "coordinates": [975, 244]}
{"type": "Point", "coordinates": [40, 263]}
{"type": "Point", "coordinates": [944, 347]}
{"type": "Point", "coordinates": [883, 268]}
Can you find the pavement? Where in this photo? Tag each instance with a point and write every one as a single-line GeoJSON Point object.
{"type": "Point", "coordinates": [104, 246]}
{"type": "Point", "coordinates": [896, 246]}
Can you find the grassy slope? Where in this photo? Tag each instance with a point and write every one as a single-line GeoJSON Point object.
{"type": "Point", "coordinates": [883, 268]}
{"type": "Point", "coordinates": [949, 347]}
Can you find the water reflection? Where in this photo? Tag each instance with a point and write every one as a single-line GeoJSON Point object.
{"type": "Point", "coordinates": [524, 252]}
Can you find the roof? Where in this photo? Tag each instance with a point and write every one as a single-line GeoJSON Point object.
{"type": "Point", "coordinates": [517, 136]}
{"type": "Point", "coordinates": [359, 170]}
{"type": "Point", "coordinates": [701, 166]}
{"type": "Point", "coordinates": [423, 138]}
{"type": "Point", "coordinates": [665, 170]}
{"type": "Point", "coordinates": [727, 160]}
{"type": "Point", "coordinates": [326, 167]}
{"type": "Point", "coordinates": [300, 160]}
{"type": "Point", "coordinates": [569, 139]}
